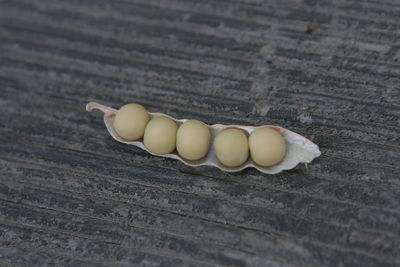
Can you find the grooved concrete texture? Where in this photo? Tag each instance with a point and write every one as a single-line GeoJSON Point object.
{"type": "Point", "coordinates": [70, 195]}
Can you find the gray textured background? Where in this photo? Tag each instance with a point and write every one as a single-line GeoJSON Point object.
{"type": "Point", "coordinates": [71, 195]}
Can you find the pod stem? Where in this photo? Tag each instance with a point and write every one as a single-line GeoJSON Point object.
{"type": "Point", "coordinates": [106, 110]}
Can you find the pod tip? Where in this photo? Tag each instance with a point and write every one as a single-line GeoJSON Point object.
{"type": "Point", "coordinates": [93, 105]}
{"type": "Point", "coordinates": [89, 106]}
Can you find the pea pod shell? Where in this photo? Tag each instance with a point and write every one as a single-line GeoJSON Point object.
{"type": "Point", "coordinates": [298, 148]}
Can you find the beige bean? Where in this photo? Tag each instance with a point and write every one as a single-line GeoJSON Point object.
{"type": "Point", "coordinates": [267, 146]}
{"type": "Point", "coordinates": [193, 140]}
{"type": "Point", "coordinates": [130, 121]}
{"type": "Point", "coordinates": [231, 147]}
{"type": "Point", "coordinates": [160, 135]}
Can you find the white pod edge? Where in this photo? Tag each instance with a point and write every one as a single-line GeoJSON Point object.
{"type": "Point", "coordinates": [298, 148]}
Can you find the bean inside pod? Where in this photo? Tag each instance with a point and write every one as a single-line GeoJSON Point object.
{"type": "Point", "coordinates": [231, 147]}
{"type": "Point", "coordinates": [193, 140]}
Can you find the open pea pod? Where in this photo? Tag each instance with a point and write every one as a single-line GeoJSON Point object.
{"type": "Point", "coordinates": [298, 148]}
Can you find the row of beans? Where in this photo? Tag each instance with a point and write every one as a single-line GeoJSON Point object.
{"type": "Point", "coordinates": [192, 139]}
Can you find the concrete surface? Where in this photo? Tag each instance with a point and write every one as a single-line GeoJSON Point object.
{"type": "Point", "coordinates": [71, 196]}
